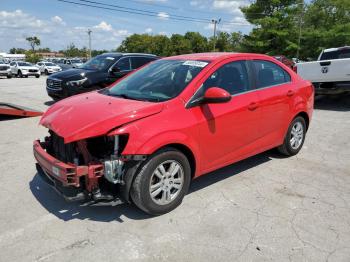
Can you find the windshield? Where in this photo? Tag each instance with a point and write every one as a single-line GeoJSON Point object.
{"type": "Point", "coordinates": [99, 63]}
{"type": "Point", "coordinates": [159, 81]}
{"type": "Point", "coordinates": [24, 64]}
{"type": "Point", "coordinates": [49, 64]}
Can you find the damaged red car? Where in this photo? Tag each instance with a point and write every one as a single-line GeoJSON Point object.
{"type": "Point", "coordinates": [147, 136]}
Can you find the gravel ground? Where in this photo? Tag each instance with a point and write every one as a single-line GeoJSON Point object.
{"type": "Point", "coordinates": [265, 208]}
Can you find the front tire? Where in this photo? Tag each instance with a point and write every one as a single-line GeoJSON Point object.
{"type": "Point", "coordinates": [162, 182]}
{"type": "Point", "coordinates": [20, 74]}
{"type": "Point", "coordinates": [37, 76]}
{"type": "Point", "coordinates": [46, 72]}
{"type": "Point", "coordinates": [295, 137]}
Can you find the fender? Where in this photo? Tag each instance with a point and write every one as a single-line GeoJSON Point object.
{"type": "Point", "coordinates": [148, 148]}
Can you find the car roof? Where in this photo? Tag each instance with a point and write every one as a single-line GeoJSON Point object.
{"type": "Point", "coordinates": [214, 56]}
{"type": "Point", "coordinates": [115, 54]}
{"type": "Point", "coordinates": [336, 49]}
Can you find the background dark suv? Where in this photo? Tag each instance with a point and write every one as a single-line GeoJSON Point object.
{"type": "Point", "coordinates": [96, 73]}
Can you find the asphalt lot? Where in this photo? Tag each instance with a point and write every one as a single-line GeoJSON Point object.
{"type": "Point", "coordinates": [265, 208]}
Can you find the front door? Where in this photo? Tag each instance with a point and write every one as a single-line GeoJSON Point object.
{"type": "Point", "coordinates": [228, 130]}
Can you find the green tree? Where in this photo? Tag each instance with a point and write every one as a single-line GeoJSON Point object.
{"type": "Point", "coordinates": [33, 41]}
{"type": "Point", "coordinates": [236, 39]}
{"type": "Point", "coordinates": [276, 27]}
{"type": "Point", "coordinates": [15, 50]}
{"type": "Point", "coordinates": [32, 57]}
{"type": "Point", "coordinates": [73, 51]}
{"type": "Point", "coordinates": [180, 45]}
{"type": "Point", "coordinates": [222, 42]}
{"type": "Point", "coordinates": [198, 42]}
{"type": "Point", "coordinates": [326, 24]}
{"type": "Point", "coordinates": [44, 50]}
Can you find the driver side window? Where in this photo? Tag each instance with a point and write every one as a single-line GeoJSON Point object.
{"type": "Point", "coordinates": [124, 64]}
{"type": "Point", "coordinates": [233, 77]}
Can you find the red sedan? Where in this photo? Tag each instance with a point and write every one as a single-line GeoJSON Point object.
{"type": "Point", "coordinates": [146, 137]}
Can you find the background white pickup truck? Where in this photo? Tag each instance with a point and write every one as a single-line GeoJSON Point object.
{"type": "Point", "coordinates": [330, 74]}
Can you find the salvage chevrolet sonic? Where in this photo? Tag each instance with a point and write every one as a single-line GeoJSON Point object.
{"type": "Point", "coordinates": [147, 136]}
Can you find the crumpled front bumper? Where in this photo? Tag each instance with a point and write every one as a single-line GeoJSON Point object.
{"type": "Point", "coordinates": [66, 177]}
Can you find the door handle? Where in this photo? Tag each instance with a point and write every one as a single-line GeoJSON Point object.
{"type": "Point", "coordinates": [253, 106]}
{"type": "Point", "coordinates": [290, 93]}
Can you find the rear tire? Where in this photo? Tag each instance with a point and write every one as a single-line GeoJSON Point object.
{"type": "Point", "coordinates": [162, 182]}
{"type": "Point", "coordinates": [295, 137]}
{"type": "Point", "coordinates": [9, 76]}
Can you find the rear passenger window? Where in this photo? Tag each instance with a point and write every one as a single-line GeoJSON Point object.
{"type": "Point", "coordinates": [233, 77]}
{"type": "Point", "coordinates": [137, 62]}
{"type": "Point", "coordinates": [269, 74]}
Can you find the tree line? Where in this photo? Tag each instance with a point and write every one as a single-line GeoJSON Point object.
{"type": "Point", "coordinates": [191, 42]}
{"type": "Point", "coordinates": [281, 27]}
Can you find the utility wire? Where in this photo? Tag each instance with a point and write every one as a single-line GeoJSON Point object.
{"type": "Point", "coordinates": [132, 12]}
{"type": "Point", "coordinates": [99, 5]}
{"type": "Point", "coordinates": [140, 10]}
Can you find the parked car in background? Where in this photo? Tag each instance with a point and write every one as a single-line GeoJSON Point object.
{"type": "Point", "coordinates": [97, 73]}
{"type": "Point", "coordinates": [330, 74]}
{"type": "Point", "coordinates": [5, 69]}
{"type": "Point", "coordinates": [48, 68]}
{"type": "Point", "coordinates": [285, 61]}
{"type": "Point", "coordinates": [147, 136]}
{"type": "Point", "coordinates": [69, 63]}
{"type": "Point", "coordinates": [24, 69]}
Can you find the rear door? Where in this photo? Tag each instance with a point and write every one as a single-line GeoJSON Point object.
{"type": "Point", "coordinates": [275, 93]}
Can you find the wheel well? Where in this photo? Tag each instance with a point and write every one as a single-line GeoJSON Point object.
{"type": "Point", "coordinates": [306, 118]}
{"type": "Point", "coordinates": [187, 152]}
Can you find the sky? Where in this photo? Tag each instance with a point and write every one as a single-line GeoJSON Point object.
{"type": "Point", "coordinates": [58, 24]}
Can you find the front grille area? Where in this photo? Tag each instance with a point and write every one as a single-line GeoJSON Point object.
{"type": "Point", "coordinates": [54, 84]}
{"type": "Point", "coordinates": [64, 152]}
{"type": "Point", "coordinates": [3, 68]}
{"type": "Point", "coordinates": [33, 70]}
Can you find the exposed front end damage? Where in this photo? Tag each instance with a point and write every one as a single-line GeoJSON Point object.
{"type": "Point", "coordinates": [88, 170]}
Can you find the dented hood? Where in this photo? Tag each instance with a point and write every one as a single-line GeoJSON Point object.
{"type": "Point", "coordinates": [94, 114]}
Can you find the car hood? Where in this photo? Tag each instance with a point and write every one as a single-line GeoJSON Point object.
{"type": "Point", "coordinates": [94, 114]}
{"type": "Point", "coordinates": [72, 74]}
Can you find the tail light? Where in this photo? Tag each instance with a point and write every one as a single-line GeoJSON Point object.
{"type": "Point", "coordinates": [295, 69]}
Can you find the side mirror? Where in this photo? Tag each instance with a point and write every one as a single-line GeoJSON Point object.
{"type": "Point", "coordinates": [117, 72]}
{"type": "Point", "coordinates": [216, 95]}
{"type": "Point", "coordinates": [115, 69]}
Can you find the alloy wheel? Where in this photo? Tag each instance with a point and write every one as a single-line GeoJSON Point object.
{"type": "Point", "coordinates": [296, 135]}
{"type": "Point", "coordinates": [166, 182]}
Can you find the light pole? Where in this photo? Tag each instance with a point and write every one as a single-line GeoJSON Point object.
{"type": "Point", "coordinates": [215, 22]}
{"type": "Point", "coordinates": [89, 33]}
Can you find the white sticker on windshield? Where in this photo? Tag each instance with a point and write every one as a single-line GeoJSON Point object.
{"type": "Point", "coordinates": [195, 63]}
{"type": "Point", "coordinates": [110, 58]}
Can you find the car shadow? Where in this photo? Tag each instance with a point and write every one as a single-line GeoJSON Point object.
{"type": "Point", "coordinates": [334, 103]}
{"type": "Point", "coordinates": [56, 205]}
{"type": "Point", "coordinates": [9, 118]}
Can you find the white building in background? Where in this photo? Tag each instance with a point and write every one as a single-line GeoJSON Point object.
{"type": "Point", "coordinates": [10, 57]}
